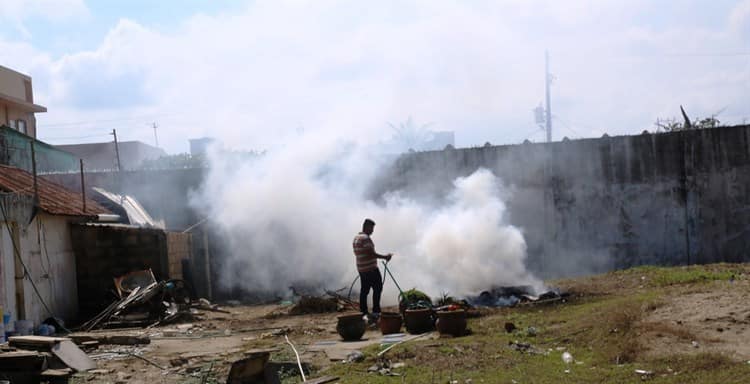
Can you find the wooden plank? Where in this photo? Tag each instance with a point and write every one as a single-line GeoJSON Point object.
{"type": "Point", "coordinates": [72, 356]}
{"type": "Point", "coordinates": [114, 339]}
{"type": "Point", "coordinates": [21, 361]}
{"type": "Point", "coordinates": [322, 380]}
{"type": "Point", "coordinates": [57, 372]}
{"type": "Point", "coordinates": [15, 341]}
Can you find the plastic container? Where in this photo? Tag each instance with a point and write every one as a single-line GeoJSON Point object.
{"type": "Point", "coordinates": [24, 327]}
{"type": "Point", "coordinates": [44, 330]}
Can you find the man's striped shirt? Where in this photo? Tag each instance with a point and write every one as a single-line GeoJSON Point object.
{"type": "Point", "coordinates": [364, 250]}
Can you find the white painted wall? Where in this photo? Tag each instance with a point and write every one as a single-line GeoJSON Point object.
{"type": "Point", "coordinates": [47, 251]}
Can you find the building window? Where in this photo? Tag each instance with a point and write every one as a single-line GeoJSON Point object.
{"type": "Point", "coordinates": [21, 126]}
{"type": "Point", "coordinates": [12, 124]}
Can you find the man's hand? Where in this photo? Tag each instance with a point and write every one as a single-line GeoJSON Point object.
{"type": "Point", "coordinates": [388, 256]}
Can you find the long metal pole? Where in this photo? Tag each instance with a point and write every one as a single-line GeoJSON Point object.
{"type": "Point", "coordinates": [33, 169]}
{"type": "Point", "coordinates": [117, 150]}
{"type": "Point", "coordinates": [156, 138]}
{"type": "Point", "coordinates": [547, 79]}
{"type": "Point", "coordinates": [83, 188]}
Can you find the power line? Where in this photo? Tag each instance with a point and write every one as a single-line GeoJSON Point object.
{"type": "Point", "coordinates": [76, 137]}
{"type": "Point", "coordinates": [89, 122]}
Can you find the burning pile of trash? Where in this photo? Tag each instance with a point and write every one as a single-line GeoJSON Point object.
{"type": "Point", "coordinates": [143, 301]}
{"type": "Point", "coordinates": [514, 295]}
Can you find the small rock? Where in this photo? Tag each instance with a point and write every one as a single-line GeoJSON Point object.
{"type": "Point", "coordinates": [531, 331]}
{"type": "Point", "coordinates": [178, 361]}
{"type": "Point", "coordinates": [184, 327]}
{"type": "Point", "coordinates": [398, 365]}
{"type": "Point", "coordinates": [355, 357]}
{"type": "Point", "coordinates": [695, 344]}
{"type": "Point", "coordinates": [510, 327]}
{"type": "Point", "coordinates": [100, 371]}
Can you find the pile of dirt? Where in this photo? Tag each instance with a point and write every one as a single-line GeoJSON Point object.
{"type": "Point", "coordinates": [313, 304]}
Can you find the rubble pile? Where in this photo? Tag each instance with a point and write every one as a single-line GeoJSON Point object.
{"type": "Point", "coordinates": [144, 302]}
{"type": "Point", "coordinates": [33, 359]}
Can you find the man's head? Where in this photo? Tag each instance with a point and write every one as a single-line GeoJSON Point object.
{"type": "Point", "coordinates": [368, 226]}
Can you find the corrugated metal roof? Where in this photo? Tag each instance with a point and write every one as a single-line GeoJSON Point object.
{"type": "Point", "coordinates": [135, 212]}
{"type": "Point", "coordinates": [53, 198]}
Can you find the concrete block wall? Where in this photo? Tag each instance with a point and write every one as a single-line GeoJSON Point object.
{"type": "Point", "coordinates": [106, 251]}
{"type": "Point", "coordinates": [595, 205]}
{"type": "Point", "coordinates": [178, 248]}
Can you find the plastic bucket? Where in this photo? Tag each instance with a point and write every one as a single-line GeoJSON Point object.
{"type": "Point", "coordinates": [24, 327]}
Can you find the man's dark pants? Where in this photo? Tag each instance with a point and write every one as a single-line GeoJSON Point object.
{"type": "Point", "coordinates": [370, 279]}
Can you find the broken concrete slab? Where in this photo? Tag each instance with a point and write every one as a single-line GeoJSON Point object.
{"type": "Point", "coordinates": [72, 356]}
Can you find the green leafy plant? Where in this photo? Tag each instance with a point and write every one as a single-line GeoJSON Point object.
{"type": "Point", "coordinates": [414, 296]}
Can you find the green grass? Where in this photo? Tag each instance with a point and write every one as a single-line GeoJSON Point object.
{"type": "Point", "coordinates": [663, 276]}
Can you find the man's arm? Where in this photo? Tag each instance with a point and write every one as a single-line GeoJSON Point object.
{"type": "Point", "coordinates": [387, 256]}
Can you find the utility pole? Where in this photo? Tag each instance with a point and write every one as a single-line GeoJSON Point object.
{"type": "Point", "coordinates": [156, 138]}
{"type": "Point", "coordinates": [547, 81]}
{"type": "Point", "coordinates": [117, 150]}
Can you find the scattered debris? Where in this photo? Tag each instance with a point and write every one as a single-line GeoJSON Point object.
{"type": "Point", "coordinates": [313, 304]}
{"type": "Point", "coordinates": [567, 358]}
{"type": "Point", "coordinates": [383, 367]}
{"type": "Point", "coordinates": [695, 344]}
{"type": "Point", "coordinates": [381, 353]}
{"type": "Point", "coordinates": [531, 331]}
{"type": "Point", "coordinates": [143, 302]}
{"type": "Point", "coordinates": [525, 348]}
{"type": "Point", "coordinates": [355, 357]}
{"type": "Point", "coordinates": [207, 306]}
{"type": "Point", "coordinates": [644, 374]}
{"type": "Point", "coordinates": [42, 359]}
{"type": "Point", "coordinates": [512, 296]}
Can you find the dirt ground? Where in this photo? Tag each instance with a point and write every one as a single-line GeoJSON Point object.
{"type": "Point", "coordinates": [711, 316]}
{"type": "Point", "coordinates": [206, 348]}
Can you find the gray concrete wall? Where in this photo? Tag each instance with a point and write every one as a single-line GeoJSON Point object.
{"type": "Point", "coordinates": [598, 204]}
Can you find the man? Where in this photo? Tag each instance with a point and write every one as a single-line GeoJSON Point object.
{"type": "Point", "coordinates": [369, 274]}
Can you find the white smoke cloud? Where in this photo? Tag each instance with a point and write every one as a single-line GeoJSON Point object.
{"type": "Point", "coordinates": [289, 217]}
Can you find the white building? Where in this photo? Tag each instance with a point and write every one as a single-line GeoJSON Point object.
{"type": "Point", "coordinates": [37, 264]}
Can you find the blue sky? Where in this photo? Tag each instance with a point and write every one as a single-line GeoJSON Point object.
{"type": "Point", "coordinates": [86, 30]}
{"type": "Point", "coordinates": [253, 73]}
